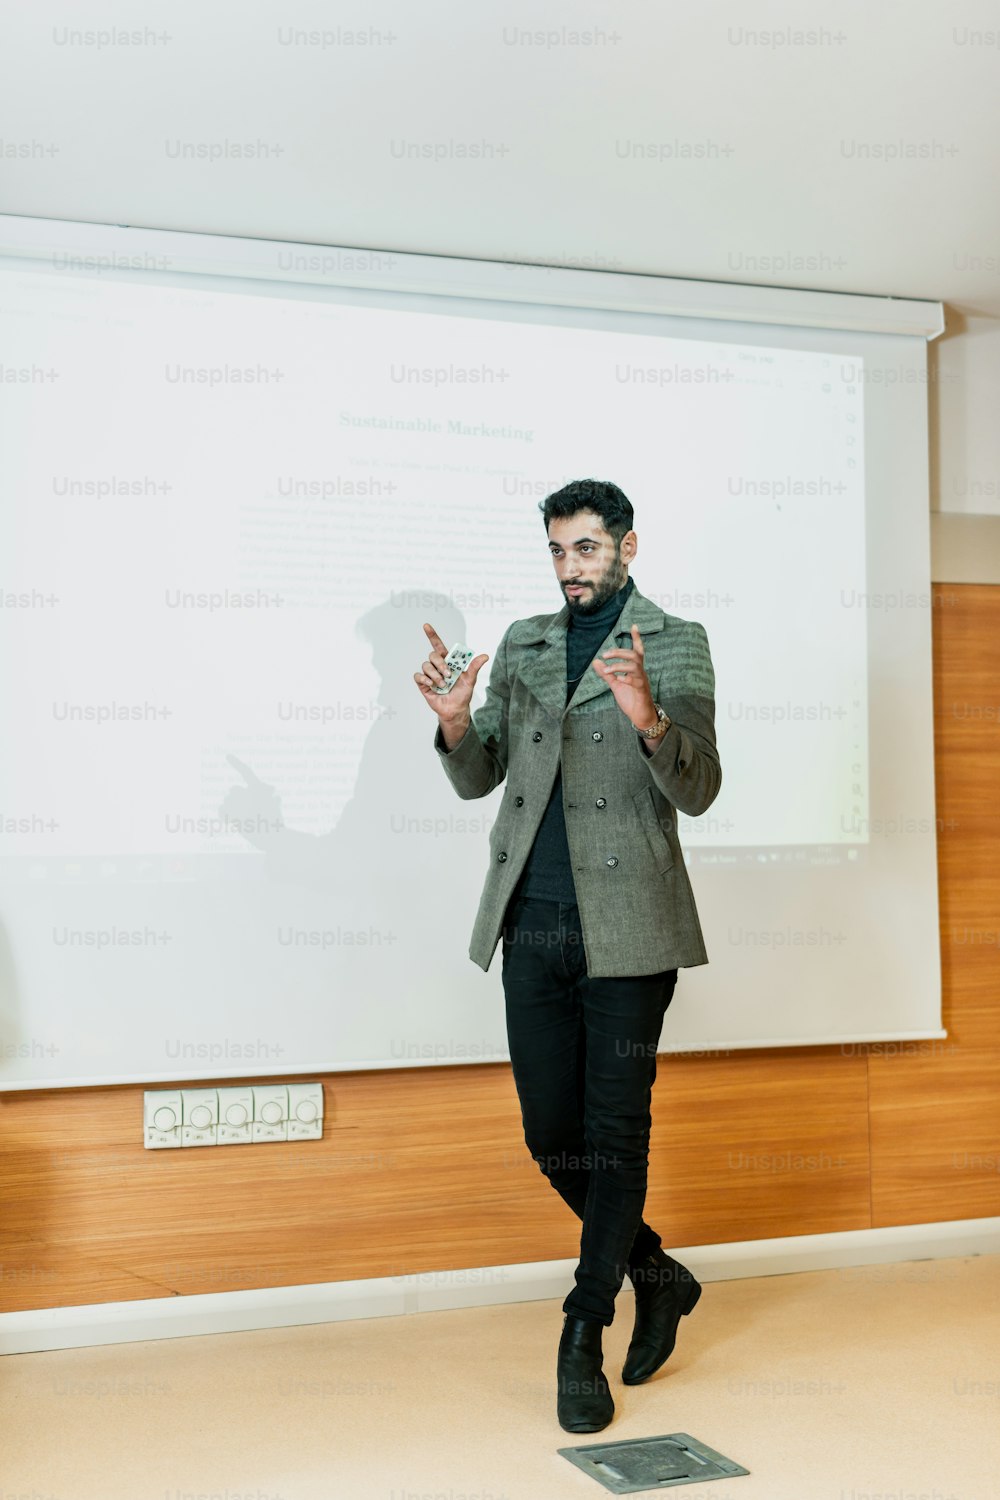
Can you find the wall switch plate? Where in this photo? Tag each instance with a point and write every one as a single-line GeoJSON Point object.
{"type": "Point", "coordinates": [232, 1116]}
{"type": "Point", "coordinates": [162, 1117]}
{"type": "Point", "coordinates": [235, 1116]}
{"type": "Point", "coordinates": [200, 1117]}
{"type": "Point", "coordinates": [305, 1111]}
{"type": "Point", "coordinates": [270, 1112]}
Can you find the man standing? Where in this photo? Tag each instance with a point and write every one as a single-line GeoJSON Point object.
{"type": "Point", "coordinates": [602, 719]}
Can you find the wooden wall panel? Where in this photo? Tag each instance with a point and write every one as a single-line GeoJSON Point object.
{"type": "Point", "coordinates": [935, 1110]}
{"type": "Point", "coordinates": [759, 1144]}
{"type": "Point", "coordinates": [425, 1169]}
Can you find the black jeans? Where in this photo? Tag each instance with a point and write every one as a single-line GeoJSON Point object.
{"type": "Point", "coordinates": [583, 1053]}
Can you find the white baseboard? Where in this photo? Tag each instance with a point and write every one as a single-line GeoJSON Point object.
{"type": "Point", "coordinates": [430, 1291]}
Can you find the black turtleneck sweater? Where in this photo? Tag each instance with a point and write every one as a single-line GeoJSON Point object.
{"type": "Point", "coordinates": [548, 873]}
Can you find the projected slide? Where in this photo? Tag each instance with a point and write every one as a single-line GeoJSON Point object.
{"type": "Point", "coordinates": [274, 473]}
{"type": "Point", "coordinates": [228, 515]}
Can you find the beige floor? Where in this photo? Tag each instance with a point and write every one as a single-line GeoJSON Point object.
{"type": "Point", "coordinates": [872, 1382]}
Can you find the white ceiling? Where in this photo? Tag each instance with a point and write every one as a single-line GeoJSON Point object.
{"type": "Point", "coordinates": [723, 141]}
{"type": "Point", "coordinates": [774, 133]}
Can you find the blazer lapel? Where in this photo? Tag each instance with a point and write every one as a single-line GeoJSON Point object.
{"type": "Point", "coordinates": [544, 673]}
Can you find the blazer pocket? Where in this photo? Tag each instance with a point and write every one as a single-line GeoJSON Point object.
{"type": "Point", "coordinates": [651, 827]}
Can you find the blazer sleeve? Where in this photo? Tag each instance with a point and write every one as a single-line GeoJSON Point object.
{"type": "Point", "coordinates": [685, 764]}
{"type": "Point", "coordinates": [478, 762]}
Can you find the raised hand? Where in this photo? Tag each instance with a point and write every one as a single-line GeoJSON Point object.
{"type": "Point", "coordinates": [450, 707]}
{"type": "Point", "coordinates": [256, 807]}
{"type": "Point", "coordinates": [626, 677]}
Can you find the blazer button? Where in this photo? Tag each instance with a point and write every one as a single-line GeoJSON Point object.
{"type": "Point", "coordinates": [537, 736]}
{"type": "Point", "coordinates": [518, 801]}
{"type": "Point", "coordinates": [501, 858]}
{"type": "Point", "coordinates": [612, 861]}
{"type": "Point", "coordinates": [597, 735]}
{"type": "Point", "coordinates": [601, 802]}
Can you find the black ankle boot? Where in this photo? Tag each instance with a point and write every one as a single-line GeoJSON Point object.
{"type": "Point", "coordinates": [664, 1292]}
{"type": "Point", "coordinates": [584, 1402]}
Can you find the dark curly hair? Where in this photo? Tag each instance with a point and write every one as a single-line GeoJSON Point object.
{"type": "Point", "coordinates": [599, 495]}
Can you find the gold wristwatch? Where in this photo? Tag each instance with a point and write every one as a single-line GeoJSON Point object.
{"type": "Point", "coordinates": [659, 728]}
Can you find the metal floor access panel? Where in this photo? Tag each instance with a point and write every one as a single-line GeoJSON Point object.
{"type": "Point", "coordinates": [653, 1463]}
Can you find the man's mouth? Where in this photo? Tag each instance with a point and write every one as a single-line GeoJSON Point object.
{"type": "Point", "coordinates": [574, 590]}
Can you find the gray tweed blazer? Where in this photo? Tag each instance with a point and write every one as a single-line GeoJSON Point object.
{"type": "Point", "coordinates": [637, 909]}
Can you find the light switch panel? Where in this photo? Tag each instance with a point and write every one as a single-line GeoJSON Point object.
{"type": "Point", "coordinates": [201, 1114]}
{"type": "Point", "coordinates": [305, 1111]}
{"type": "Point", "coordinates": [270, 1112]}
{"type": "Point", "coordinates": [162, 1118]}
{"type": "Point", "coordinates": [232, 1116]}
{"type": "Point", "coordinates": [235, 1116]}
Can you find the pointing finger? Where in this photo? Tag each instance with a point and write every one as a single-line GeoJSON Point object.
{"type": "Point", "coordinates": [434, 638]}
{"type": "Point", "coordinates": [250, 777]}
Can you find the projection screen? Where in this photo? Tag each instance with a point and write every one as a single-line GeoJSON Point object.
{"type": "Point", "coordinates": [231, 498]}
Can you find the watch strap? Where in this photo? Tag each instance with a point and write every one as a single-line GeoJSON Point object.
{"type": "Point", "coordinates": [657, 730]}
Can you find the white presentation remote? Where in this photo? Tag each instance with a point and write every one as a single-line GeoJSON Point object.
{"type": "Point", "coordinates": [455, 663]}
